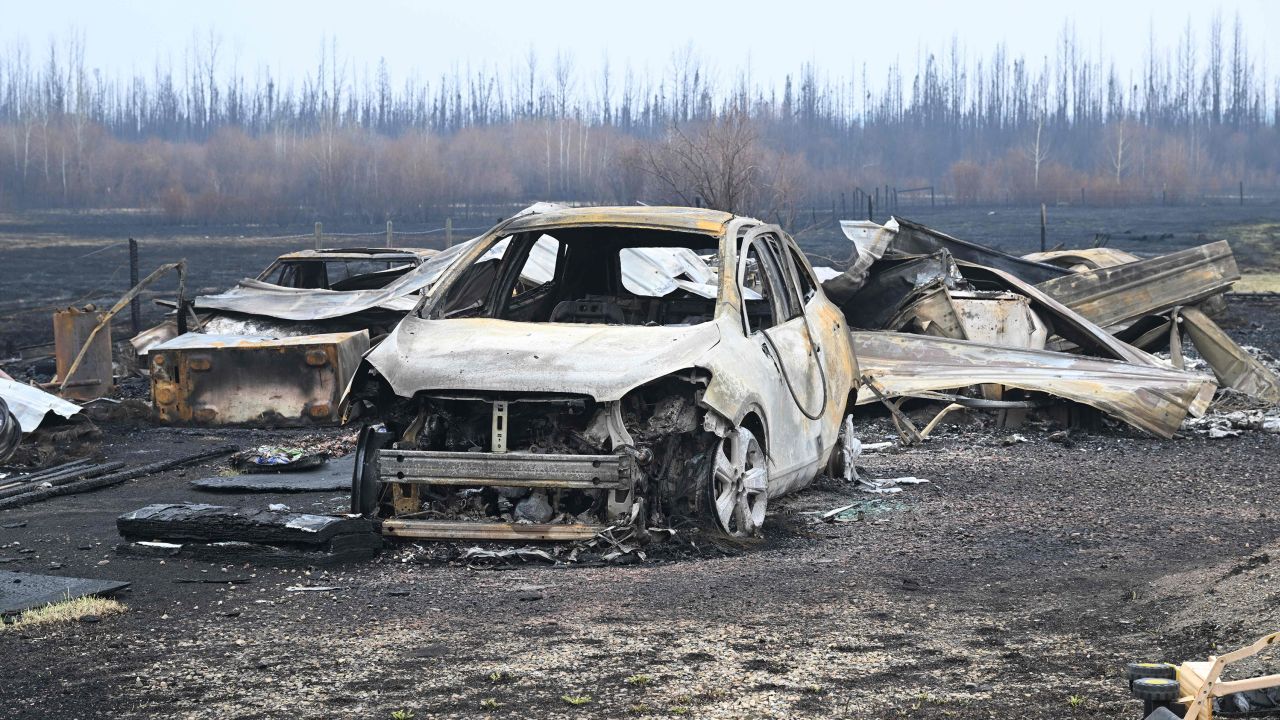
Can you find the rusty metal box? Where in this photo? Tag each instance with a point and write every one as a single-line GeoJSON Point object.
{"type": "Point", "coordinates": [199, 379]}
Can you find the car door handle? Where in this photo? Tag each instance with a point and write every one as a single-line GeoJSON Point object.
{"type": "Point", "coordinates": [764, 347]}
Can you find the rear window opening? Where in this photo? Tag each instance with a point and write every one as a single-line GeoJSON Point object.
{"type": "Point", "coordinates": [336, 274]}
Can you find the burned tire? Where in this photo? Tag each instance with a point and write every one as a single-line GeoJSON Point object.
{"type": "Point", "coordinates": [738, 484]}
{"type": "Point", "coordinates": [364, 477]}
{"type": "Point", "coordinates": [10, 432]}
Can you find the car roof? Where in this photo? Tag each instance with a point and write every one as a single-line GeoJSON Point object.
{"type": "Point", "coordinates": [681, 219]}
{"type": "Point", "coordinates": [361, 254]}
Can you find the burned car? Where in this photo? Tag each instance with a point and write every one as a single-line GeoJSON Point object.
{"type": "Point", "coordinates": [281, 350]}
{"type": "Point", "coordinates": [618, 390]}
{"type": "Point", "coordinates": [343, 268]}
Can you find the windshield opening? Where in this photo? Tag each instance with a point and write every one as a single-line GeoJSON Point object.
{"type": "Point", "coordinates": [600, 276]}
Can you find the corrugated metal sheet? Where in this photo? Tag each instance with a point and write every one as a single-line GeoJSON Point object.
{"type": "Point", "coordinates": [30, 404]}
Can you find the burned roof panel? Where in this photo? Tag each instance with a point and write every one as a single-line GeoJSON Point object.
{"type": "Point", "coordinates": [680, 219]}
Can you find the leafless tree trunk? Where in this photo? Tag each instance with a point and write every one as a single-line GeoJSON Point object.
{"type": "Point", "coordinates": [713, 165]}
{"type": "Point", "coordinates": [1119, 145]}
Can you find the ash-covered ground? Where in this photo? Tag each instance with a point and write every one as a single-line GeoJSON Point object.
{"type": "Point", "coordinates": [1016, 583]}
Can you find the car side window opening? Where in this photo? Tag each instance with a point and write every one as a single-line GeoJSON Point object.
{"type": "Point", "coordinates": [806, 286]}
{"type": "Point", "coordinates": [764, 295]}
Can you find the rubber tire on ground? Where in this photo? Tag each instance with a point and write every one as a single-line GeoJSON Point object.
{"type": "Point", "coordinates": [1137, 670]}
{"type": "Point", "coordinates": [1156, 690]}
{"type": "Point", "coordinates": [364, 476]}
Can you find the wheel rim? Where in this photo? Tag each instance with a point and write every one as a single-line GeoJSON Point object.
{"type": "Point", "coordinates": [739, 484]}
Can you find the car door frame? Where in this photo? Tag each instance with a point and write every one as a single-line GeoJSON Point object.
{"type": "Point", "coordinates": [794, 442]}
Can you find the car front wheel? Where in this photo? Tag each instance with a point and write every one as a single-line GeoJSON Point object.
{"type": "Point", "coordinates": [739, 484]}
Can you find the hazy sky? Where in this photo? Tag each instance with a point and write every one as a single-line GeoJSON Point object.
{"type": "Point", "coordinates": [428, 39]}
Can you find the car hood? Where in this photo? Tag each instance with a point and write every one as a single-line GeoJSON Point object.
{"type": "Point", "coordinates": [480, 354]}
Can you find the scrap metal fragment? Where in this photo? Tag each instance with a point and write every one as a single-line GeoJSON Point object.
{"type": "Point", "coordinates": [1151, 398]}
{"type": "Point", "coordinates": [1232, 365]}
{"type": "Point", "coordinates": [1083, 259]}
{"type": "Point", "coordinates": [887, 486]}
{"type": "Point", "coordinates": [870, 240]}
{"type": "Point", "coordinates": [180, 267]}
{"type": "Point", "coordinates": [1066, 322]}
{"type": "Point", "coordinates": [31, 405]}
{"type": "Point", "coordinates": [895, 284]}
{"type": "Point", "coordinates": [440, 530]}
{"type": "Point", "coordinates": [1116, 295]}
{"type": "Point", "coordinates": [72, 330]}
{"type": "Point", "coordinates": [906, 429]}
{"type": "Point", "coordinates": [10, 432]}
{"type": "Point", "coordinates": [914, 238]}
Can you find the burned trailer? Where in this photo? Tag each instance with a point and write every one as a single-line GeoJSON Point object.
{"type": "Point", "coordinates": [621, 390]}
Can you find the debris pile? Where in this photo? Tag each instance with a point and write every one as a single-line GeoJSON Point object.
{"type": "Point", "coordinates": [935, 313]}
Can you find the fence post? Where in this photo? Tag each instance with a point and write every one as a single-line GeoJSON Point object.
{"type": "Point", "coordinates": [1044, 220]}
{"type": "Point", "coordinates": [869, 215]}
{"type": "Point", "coordinates": [389, 242]}
{"type": "Point", "coordinates": [319, 235]}
{"type": "Point", "coordinates": [844, 210]}
{"type": "Point", "coordinates": [1241, 193]}
{"type": "Point", "coordinates": [135, 305]}
{"type": "Point", "coordinates": [448, 232]}
{"type": "Point", "coordinates": [931, 202]}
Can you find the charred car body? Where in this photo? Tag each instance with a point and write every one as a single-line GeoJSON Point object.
{"type": "Point", "coordinates": [616, 391]}
{"type": "Point", "coordinates": [250, 362]}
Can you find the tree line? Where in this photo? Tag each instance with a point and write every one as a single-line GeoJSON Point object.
{"type": "Point", "coordinates": [206, 141]}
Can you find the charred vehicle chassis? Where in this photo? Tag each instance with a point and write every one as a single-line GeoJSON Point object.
{"type": "Point", "coordinates": [558, 467]}
{"type": "Point", "coordinates": [552, 412]}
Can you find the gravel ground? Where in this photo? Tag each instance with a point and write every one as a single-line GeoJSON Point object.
{"type": "Point", "coordinates": [1015, 584]}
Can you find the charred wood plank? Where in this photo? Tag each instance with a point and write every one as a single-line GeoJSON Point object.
{"type": "Point", "coordinates": [56, 479]}
{"type": "Point", "coordinates": [188, 522]}
{"type": "Point", "coordinates": [114, 478]}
